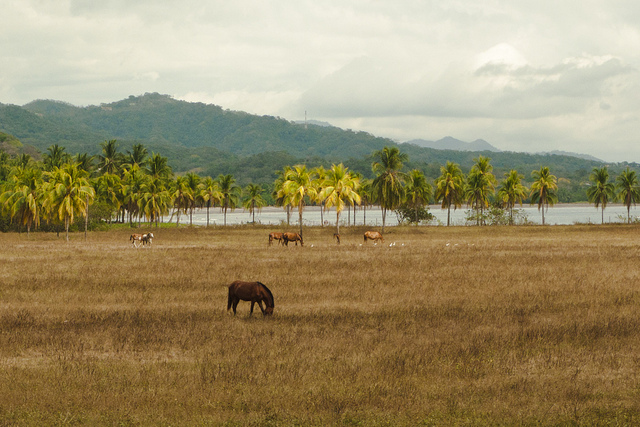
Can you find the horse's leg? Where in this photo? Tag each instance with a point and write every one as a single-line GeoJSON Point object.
{"type": "Point", "coordinates": [260, 305]}
{"type": "Point", "coordinates": [229, 302]}
{"type": "Point", "coordinates": [251, 311]}
{"type": "Point", "coordinates": [235, 304]}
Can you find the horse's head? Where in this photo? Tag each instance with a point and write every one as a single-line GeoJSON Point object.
{"type": "Point", "coordinates": [150, 235]}
{"type": "Point", "coordinates": [268, 311]}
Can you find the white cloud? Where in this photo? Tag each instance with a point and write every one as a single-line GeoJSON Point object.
{"type": "Point", "coordinates": [514, 73]}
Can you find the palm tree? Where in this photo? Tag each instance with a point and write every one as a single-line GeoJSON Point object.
{"type": "Point", "coordinates": [137, 155]}
{"type": "Point", "coordinates": [68, 193]}
{"type": "Point", "coordinates": [321, 174]}
{"type": "Point", "coordinates": [511, 191]}
{"type": "Point", "coordinates": [209, 194]}
{"type": "Point", "coordinates": [254, 200]}
{"type": "Point", "coordinates": [418, 191]}
{"type": "Point", "coordinates": [230, 193]}
{"type": "Point", "coordinates": [110, 160]}
{"type": "Point", "coordinates": [55, 157]}
{"type": "Point", "coordinates": [366, 196]}
{"type": "Point", "coordinates": [280, 194]}
{"type": "Point", "coordinates": [450, 188]}
{"type": "Point", "coordinates": [109, 190]}
{"type": "Point", "coordinates": [181, 196]}
{"type": "Point", "coordinates": [158, 167]}
{"type": "Point", "coordinates": [602, 191]}
{"type": "Point", "coordinates": [388, 183]}
{"type": "Point", "coordinates": [480, 184]}
{"type": "Point", "coordinates": [340, 186]}
{"type": "Point", "coordinates": [23, 197]}
{"type": "Point", "coordinates": [85, 162]}
{"type": "Point", "coordinates": [132, 181]}
{"type": "Point", "coordinates": [193, 183]}
{"type": "Point", "coordinates": [543, 189]}
{"type": "Point", "coordinates": [298, 185]}
{"type": "Point", "coordinates": [155, 200]}
{"type": "Point", "coordinates": [628, 189]}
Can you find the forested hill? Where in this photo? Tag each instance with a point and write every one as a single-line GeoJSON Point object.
{"type": "Point", "coordinates": [211, 140]}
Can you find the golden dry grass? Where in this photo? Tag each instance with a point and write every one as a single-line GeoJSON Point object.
{"type": "Point", "coordinates": [465, 325]}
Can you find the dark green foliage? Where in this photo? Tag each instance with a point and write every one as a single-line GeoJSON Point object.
{"type": "Point", "coordinates": [413, 215]}
{"type": "Point", "coordinates": [210, 141]}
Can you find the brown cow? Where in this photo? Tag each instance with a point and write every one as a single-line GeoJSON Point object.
{"type": "Point", "coordinates": [275, 236]}
{"type": "Point", "coordinates": [292, 237]}
{"type": "Point", "coordinates": [373, 235]}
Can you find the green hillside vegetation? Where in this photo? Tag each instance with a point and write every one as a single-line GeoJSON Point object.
{"type": "Point", "coordinates": [209, 140]}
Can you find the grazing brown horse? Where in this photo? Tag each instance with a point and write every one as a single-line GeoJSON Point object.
{"type": "Point", "coordinates": [373, 235]}
{"type": "Point", "coordinates": [255, 292]}
{"type": "Point", "coordinates": [275, 236]}
{"type": "Point", "coordinates": [292, 237]}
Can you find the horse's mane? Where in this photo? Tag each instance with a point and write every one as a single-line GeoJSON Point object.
{"type": "Point", "coordinates": [273, 304]}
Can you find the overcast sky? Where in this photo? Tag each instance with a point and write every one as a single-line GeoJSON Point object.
{"type": "Point", "coordinates": [523, 75]}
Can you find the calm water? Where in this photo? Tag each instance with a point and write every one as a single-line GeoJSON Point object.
{"type": "Point", "coordinates": [557, 215]}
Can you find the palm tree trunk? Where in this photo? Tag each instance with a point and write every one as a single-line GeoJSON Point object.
{"type": "Point", "coordinates": [253, 211]}
{"type": "Point", "coordinates": [384, 215]}
{"type": "Point", "coordinates": [300, 216]}
{"type": "Point", "coordinates": [365, 214]}
{"type": "Point", "coordinates": [338, 221]}
{"type": "Point", "coordinates": [208, 204]}
{"type": "Point", "coordinates": [322, 214]}
{"type": "Point", "coordinates": [66, 226]}
{"type": "Point", "coordinates": [448, 214]}
{"type": "Point", "coordinates": [86, 219]}
{"type": "Point", "coordinates": [602, 214]}
{"type": "Point", "coordinates": [225, 215]}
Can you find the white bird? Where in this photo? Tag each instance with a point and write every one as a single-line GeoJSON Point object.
{"type": "Point", "coordinates": [447, 243]}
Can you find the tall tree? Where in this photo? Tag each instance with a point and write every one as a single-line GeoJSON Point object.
{"type": "Point", "coordinates": [108, 189]}
{"type": "Point", "coordinates": [209, 194]}
{"type": "Point", "coordinates": [418, 191]}
{"type": "Point", "coordinates": [388, 184]}
{"type": "Point", "coordinates": [280, 195]}
{"type": "Point", "coordinates": [230, 193]}
{"type": "Point", "coordinates": [340, 188]}
{"type": "Point", "coordinates": [55, 157]}
{"type": "Point", "coordinates": [602, 191]}
{"type": "Point", "coordinates": [543, 189]}
{"type": "Point", "coordinates": [298, 185]}
{"type": "Point", "coordinates": [193, 182]}
{"type": "Point", "coordinates": [156, 199]}
{"type": "Point", "coordinates": [181, 196]}
{"type": "Point", "coordinates": [23, 196]}
{"type": "Point", "coordinates": [320, 173]}
{"type": "Point", "coordinates": [512, 191]}
{"type": "Point", "coordinates": [628, 189]}
{"type": "Point", "coordinates": [137, 155]}
{"type": "Point", "coordinates": [479, 186]}
{"type": "Point", "coordinates": [367, 196]}
{"type": "Point", "coordinates": [111, 159]}
{"type": "Point", "coordinates": [158, 166]}
{"type": "Point", "coordinates": [450, 188]}
{"type": "Point", "coordinates": [254, 200]}
{"type": "Point", "coordinates": [68, 193]}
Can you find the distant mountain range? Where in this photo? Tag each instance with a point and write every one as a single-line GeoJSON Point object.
{"type": "Point", "coordinates": [210, 140]}
{"type": "Point", "coordinates": [450, 143]}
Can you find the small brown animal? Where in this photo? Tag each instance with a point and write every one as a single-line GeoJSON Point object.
{"type": "Point", "coordinates": [292, 237]}
{"type": "Point", "coordinates": [275, 236]}
{"type": "Point", "coordinates": [337, 237]}
{"type": "Point", "coordinates": [373, 235]}
{"type": "Point", "coordinates": [255, 292]}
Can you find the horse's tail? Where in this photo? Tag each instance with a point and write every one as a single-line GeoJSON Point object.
{"type": "Point", "coordinates": [268, 292]}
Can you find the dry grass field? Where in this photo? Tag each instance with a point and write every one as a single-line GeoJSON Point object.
{"type": "Point", "coordinates": [454, 326]}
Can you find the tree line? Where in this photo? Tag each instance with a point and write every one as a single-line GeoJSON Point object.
{"type": "Point", "coordinates": [138, 186]}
